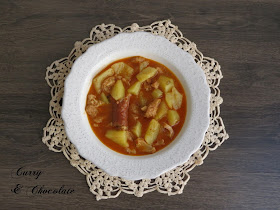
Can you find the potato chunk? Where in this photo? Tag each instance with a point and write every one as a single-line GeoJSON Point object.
{"type": "Point", "coordinates": [104, 98]}
{"type": "Point", "coordinates": [162, 111]}
{"type": "Point", "coordinates": [137, 129]}
{"type": "Point", "coordinates": [169, 99]}
{"type": "Point", "coordinates": [119, 137]}
{"type": "Point", "coordinates": [135, 88]}
{"type": "Point", "coordinates": [178, 98]}
{"type": "Point", "coordinates": [118, 91]}
{"type": "Point", "coordinates": [123, 70]}
{"type": "Point", "coordinates": [165, 83]}
{"type": "Point", "coordinates": [142, 99]}
{"type": "Point", "coordinates": [152, 131]}
{"type": "Point", "coordinates": [157, 93]}
{"type": "Point", "coordinates": [174, 99]}
{"type": "Point", "coordinates": [97, 82]}
{"type": "Point", "coordinates": [146, 74]}
{"type": "Point", "coordinates": [173, 117]}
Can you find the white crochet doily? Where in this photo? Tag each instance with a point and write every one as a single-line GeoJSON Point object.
{"type": "Point", "coordinates": [102, 185]}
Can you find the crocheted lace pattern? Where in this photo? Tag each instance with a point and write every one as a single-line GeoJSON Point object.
{"type": "Point", "coordinates": [102, 185]}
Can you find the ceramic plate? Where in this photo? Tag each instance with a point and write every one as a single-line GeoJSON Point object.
{"type": "Point", "coordinates": [154, 47]}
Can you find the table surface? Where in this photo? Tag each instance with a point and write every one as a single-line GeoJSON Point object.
{"type": "Point", "coordinates": [243, 36]}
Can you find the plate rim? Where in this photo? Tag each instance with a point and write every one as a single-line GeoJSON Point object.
{"type": "Point", "coordinates": [78, 65]}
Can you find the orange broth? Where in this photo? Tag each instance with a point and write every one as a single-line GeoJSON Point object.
{"type": "Point", "coordinates": [106, 110]}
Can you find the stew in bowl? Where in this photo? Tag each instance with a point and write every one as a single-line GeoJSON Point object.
{"type": "Point", "coordinates": [136, 106]}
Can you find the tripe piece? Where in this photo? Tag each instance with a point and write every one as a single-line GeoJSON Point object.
{"type": "Point", "coordinates": [99, 79]}
{"type": "Point", "coordinates": [142, 146]}
{"type": "Point", "coordinates": [123, 70]}
{"type": "Point", "coordinates": [174, 99]}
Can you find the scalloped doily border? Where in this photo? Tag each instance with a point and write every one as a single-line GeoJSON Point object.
{"type": "Point", "coordinates": [102, 185]}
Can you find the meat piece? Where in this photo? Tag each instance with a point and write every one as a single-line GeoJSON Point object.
{"type": "Point", "coordinates": [130, 151]}
{"type": "Point", "coordinates": [159, 142]}
{"type": "Point", "coordinates": [144, 108]}
{"type": "Point", "coordinates": [155, 85]}
{"type": "Point", "coordinates": [152, 108]}
{"type": "Point", "coordinates": [143, 65]}
{"type": "Point", "coordinates": [147, 86]}
{"type": "Point", "coordinates": [109, 125]}
{"type": "Point", "coordinates": [91, 110]}
{"type": "Point", "coordinates": [143, 146]}
{"type": "Point", "coordinates": [134, 108]}
{"type": "Point", "coordinates": [159, 70]}
{"type": "Point", "coordinates": [169, 128]}
{"type": "Point", "coordinates": [98, 119]}
{"type": "Point", "coordinates": [92, 104]}
{"type": "Point", "coordinates": [120, 112]}
{"type": "Point", "coordinates": [137, 59]}
{"type": "Point", "coordinates": [126, 81]}
{"type": "Point", "coordinates": [130, 136]}
{"type": "Point", "coordinates": [108, 84]}
{"type": "Point", "coordinates": [135, 117]}
{"type": "Point", "coordinates": [92, 100]}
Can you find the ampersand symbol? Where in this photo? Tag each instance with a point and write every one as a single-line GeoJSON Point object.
{"type": "Point", "coordinates": [17, 189]}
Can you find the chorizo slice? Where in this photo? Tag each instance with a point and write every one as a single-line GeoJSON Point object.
{"type": "Point", "coordinates": [120, 113]}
